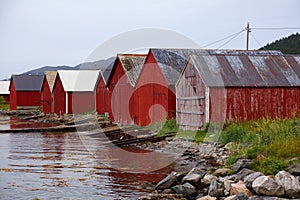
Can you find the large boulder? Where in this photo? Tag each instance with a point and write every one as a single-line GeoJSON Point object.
{"type": "Point", "coordinates": [238, 188]}
{"type": "Point", "coordinates": [248, 180]}
{"type": "Point", "coordinates": [294, 169]}
{"type": "Point", "coordinates": [290, 184]}
{"type": "Point", "coordinates": [168, 182]}
{"type": "Point", "coordinates": [267, 185]}
{"type": "Point", "coordinates": [194, 177]}
{"type": "Point", "coordinates": [242, 174]}
{"type": "Point", "coordinates": [187, 190]}
{"type": "Point", "coordinates": [241, 163]}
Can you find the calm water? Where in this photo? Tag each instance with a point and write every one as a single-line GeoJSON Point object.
{"type": "Point", "coordinates": [74, 166]}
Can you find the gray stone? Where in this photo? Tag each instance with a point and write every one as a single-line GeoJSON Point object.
{"type": "Point", "coordinates": [187, 190]}
{"type": "Point", "coordinates": [290, 184]}
{"type": "Point", "coordinates": [227, 186]}
{"type": "Point", "coordinates": [213, 188]}
{"type": "Point", "coordinates": [266, 185]}
{"type": "Point", "coordinates": [194, 177]}
{"type": "Point", "coordinates": [248, 180]}
{"type": "Point", "coordinates": [241, 163]}
{"type": "Point", "coordinates": [241, 196]}
{"type": "Point", "coordinates": [242, 174]}
{"type": "Point", "coordinates": [221, 172]}
{"type": "Point", "coordinates": [167, 182]}
{"type": "Point", "coordinates": [207, 179]}
{"type": "Point", "coordinates": [294, 169]}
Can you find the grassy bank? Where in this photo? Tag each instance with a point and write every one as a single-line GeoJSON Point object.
{"type": "Point", "coordinates": [271, 143]}
{"type": "Point", "coordinates": [4, 105]}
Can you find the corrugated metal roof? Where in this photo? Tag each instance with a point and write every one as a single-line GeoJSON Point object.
{"type": "Point", "coordinates": [252, 70]}
{"type": "Point", "coordinates": [28, 82]}
{"type": "Point", "coordinates": [51, 76]}
{"type": "Point", "coordinates": [132, 65]}
{"type": "Point", "coordinates": [4, 87]}
{"type": "Point", "coordinates": [78, 80]}
{"type": "Point", "coordinates": [172, 61]}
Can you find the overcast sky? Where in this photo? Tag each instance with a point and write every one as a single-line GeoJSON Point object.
{"type": "Point", "coordinates": [35, 33]}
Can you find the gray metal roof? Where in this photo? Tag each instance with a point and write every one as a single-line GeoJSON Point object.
{"type": "Point", "coordinates": [172, 61]}
{"type": "Point", "coordinates": [256, 70]}
{"type": "Point", "coordinates": [28, 82]}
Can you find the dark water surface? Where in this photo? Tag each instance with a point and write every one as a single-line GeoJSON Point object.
{"type": "Point", "coordinates": [73, 166]}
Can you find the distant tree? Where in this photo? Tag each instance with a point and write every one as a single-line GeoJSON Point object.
{"type": "Point", "coordinates": [287, 45]}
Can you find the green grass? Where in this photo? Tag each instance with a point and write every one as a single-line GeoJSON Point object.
{"type": "Point", "coordinates": [270, 142]}
{"type": "Point", "coordinates": [164, 127]}
{"type": "Point", "coordinates": [196, 136]}
{"type": "Point", "coordinates": [3, 104]}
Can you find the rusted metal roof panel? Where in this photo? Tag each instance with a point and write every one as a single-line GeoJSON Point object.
{"type": "Point", "coordinates": [246, 70]}
{"type": "Point", "coordinates": [172, 61]}
{"type": "Point", "coordinates": [294, 62]}
{"type": "Point", "coordinates": [132, 64]}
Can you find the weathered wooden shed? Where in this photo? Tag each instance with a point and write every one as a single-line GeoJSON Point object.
{"type": "Point", "coordinates": [237, 86]}
{"type": "Point", "coordinates": [121, 84]}
{"type": "Point", "coordinates": [47, 88]}
{"type": "Point", "coordinates": [73, 91]}
{"type": "Point", "coordinates": [25, 91]}
{"type": "Point", "coordinates": [4, 90]}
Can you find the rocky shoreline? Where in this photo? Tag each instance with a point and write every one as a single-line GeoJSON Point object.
{"type": "Point", "coordinates": [200, 175]}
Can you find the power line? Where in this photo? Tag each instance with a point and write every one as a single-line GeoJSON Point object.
{"type": "Point", "coordinates": [277, 28]}
{"type": "Point", "coordinates": [256, 40]}
{"type": "Point", "coordinates": [230, 39]}
{"type": "Point", "coordinates": [232, 35]}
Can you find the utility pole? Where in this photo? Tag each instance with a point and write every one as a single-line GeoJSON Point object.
{"type": "Point", "coordinates": [248, 30]}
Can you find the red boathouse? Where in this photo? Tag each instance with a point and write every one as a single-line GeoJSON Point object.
{"type": "Point", "coordinates": [47, 88]}
{"type": "Point", "coordinates": [25, 91]}
{"type": "Point", "coordinates": [74, 91]}
{"type": "Point", "coordinates": [121, 85]}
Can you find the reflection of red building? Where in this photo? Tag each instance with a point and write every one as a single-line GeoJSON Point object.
{"type": "Point", "coordinates": [73, 91]}
{"type": "Point", "coordinates": [121, 82]}
{"type": "Point", "coordinates": [238, 86]}
{"type": "Point", "coordinates": [47, 88]}
{"type": "Point", "coordinates": [25, 91]}
{"type": "Point", "coordinates": [4, 90]}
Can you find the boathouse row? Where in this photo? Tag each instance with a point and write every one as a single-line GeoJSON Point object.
{"type": "Point", "coordinates": [193, 85]}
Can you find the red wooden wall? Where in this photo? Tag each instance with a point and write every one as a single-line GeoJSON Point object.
{"type": "Point", "coordinates": [81, 102]}
{"type": "Point", "coordinates": [254, 103]}
{"type": "Point", "coordinates": [59, 97]}
{"type": "Point", "coordinates": [155, 100]}
{"type": "Point", "coordinates": [46, 97]}
{"type": "Point", "coordinates": [13, 96]}
{"type": "Point", "coordinates": [120, 93]}
{"type": "Point", "coordinates": [102, 97]}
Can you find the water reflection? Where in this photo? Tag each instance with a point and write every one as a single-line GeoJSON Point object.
{"type": "Point", "coordinates": [62, 165]}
